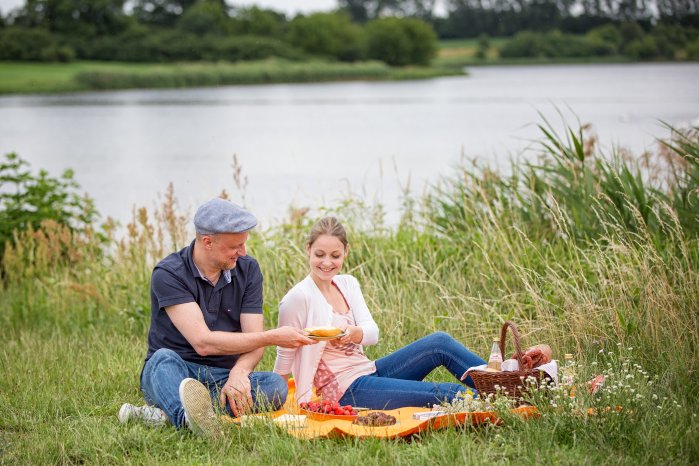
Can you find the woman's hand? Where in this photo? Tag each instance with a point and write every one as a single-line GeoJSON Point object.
{"type": "Point", "coordinates": [353, 334]}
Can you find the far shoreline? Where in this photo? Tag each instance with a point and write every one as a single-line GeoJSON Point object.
{"type": "Point", "coordinates": [28, 78]}
{"type": "Point", "coordinates": [17, 78]}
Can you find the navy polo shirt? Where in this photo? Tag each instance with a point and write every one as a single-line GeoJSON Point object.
{"type": "Point", "coordinates": [176, 280]}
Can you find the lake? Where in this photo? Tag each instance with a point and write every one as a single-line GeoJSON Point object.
{"type": "Point", "coordinates": [311, 145]}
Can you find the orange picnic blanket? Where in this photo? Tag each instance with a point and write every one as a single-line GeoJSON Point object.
{"type": "Point", "coordinates": [405, 425]}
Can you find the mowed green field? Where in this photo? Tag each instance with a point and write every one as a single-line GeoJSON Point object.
{"type": "Point", "coordinates": [459, 52]}
{"type": "Point", "coordinates": [25, 77]}
{"type": "Point", "coordinates": [85, 76]}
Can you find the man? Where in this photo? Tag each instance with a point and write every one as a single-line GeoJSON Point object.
{"type": "Point", "coordinates": [206, 334]}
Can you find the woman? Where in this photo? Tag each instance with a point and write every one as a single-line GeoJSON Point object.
{"type": "Point", "coordinates": [338, 369]}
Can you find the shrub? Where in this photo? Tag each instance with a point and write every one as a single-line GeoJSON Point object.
{"type": "Point", "coordinates": [644, 48]}
{"type": "Point", "coordinates": [237, 48]}
{"type": "Point", "coordinates": [34, 44]}
{"type": "Point", "coordinates": [483, 46]}
{"type": "Point", "coordinates": [554, 44]}
{"type": "Point", "coordinates": [692, 50]}
{"type": "Point", "coordinates": [401, 41]}
{"type": "Point", "coordinates": [61, 53]}
{"type": "Point", "coordinates": [26, 200]}
{"type": "Point", "coordinates": [164, 46]}
{"type": "Point", "coordinates": [204, 17]}
{"type": "Point", "coordinates": [607, 34]}
{"type": "Point", "coordinates": [630, 32]}
{"type": "Point", "coordinates": [327, 34]}
{"type": "Point", "coordinates": [524, 44]}
{"type": "Point", "coordinates": [259, 22]}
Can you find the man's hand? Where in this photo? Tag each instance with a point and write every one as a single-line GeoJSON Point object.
{"type": "Point", "coordinates": [290, 337]}
{"type": "Point", "coordinates": [238, 392]}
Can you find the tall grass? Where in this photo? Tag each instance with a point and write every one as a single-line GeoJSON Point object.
{"type": "Point", "coordinates": [589, 247]}
{"type": "Point", "coordinates": [588, 252]}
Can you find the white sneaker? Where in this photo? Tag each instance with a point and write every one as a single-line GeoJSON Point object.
{"type": "Point", "coordinates": [198, 411]}
{"type": "Point", "coordinates": [149, 415]}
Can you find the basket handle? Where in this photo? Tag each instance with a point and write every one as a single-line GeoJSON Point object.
{"type": "Point", "coordinates": [515, 338]}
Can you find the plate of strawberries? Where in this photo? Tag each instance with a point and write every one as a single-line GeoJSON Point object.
{"type": "Point", "coordinates": [325, 410]}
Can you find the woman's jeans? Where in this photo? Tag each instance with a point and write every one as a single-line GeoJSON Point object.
{"type": "Point", "coordinates": [163, 372]}
{"type": "Point", "coordinates": [397, 381]}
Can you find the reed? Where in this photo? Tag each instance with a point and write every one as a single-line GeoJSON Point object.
{"type": "Point", "coordinates": [261, 72]}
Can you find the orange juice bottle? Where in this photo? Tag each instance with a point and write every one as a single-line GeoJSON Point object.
{"type": "Point", "coordinates": [568, 376]}
{"type": "Point", "coordinates": [495, 359]}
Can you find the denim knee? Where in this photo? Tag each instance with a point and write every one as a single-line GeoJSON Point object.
{"type": "Point", "coordinates": [271, 391]}
{"type": "Point", "coordinates": [280, 387]}
{"type": "Point", "coordinates": [164, 355]}
{"type": "Point", "coordinates": [440, 339]}
{"type": "Point", "coordinates": [161, 357]}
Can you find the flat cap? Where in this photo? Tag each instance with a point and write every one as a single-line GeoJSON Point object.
{"type": "Point", "coordinates": [222, 216]}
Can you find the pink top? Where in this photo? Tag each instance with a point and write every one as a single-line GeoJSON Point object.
{"type": "Point", "coordinates": [305, 306]}
{"type": "Point", "coordinates": [341, 365]}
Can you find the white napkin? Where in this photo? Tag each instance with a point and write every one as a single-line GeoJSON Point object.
{"type": "Point", "coordinates": [551, 368]}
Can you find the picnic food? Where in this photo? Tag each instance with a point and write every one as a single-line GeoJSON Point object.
{"type": "Point", "coordinates": [291, 421]}
{"type": "Point", "coordinates": [323, 331]}
{"type": "Point", "coordinates": [328, 407]}
{"type": "Point", "coordinates": [536, 356]}
{"type": "Point", "coordinates": [375, 419]}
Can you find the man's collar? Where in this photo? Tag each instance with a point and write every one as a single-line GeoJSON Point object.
{"type": "Point", "coordinates": [225, 273]}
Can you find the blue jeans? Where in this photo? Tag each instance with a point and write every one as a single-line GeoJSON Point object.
{"type": "Point", "coordinates": [397, 381]}
{"type": "Point", "coordinates": [163, 372]}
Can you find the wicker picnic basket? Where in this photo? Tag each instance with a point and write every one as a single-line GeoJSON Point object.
{"type": "Point", "coordinates": [512, 383]}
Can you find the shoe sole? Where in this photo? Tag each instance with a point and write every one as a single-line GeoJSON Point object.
{"type": "Point", "coordinates": [198, 409]}
{"type": "Point", "coordinates": [124, 413]}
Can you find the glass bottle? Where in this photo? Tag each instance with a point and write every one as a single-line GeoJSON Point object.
{"type": "Point", "coordinates": [495, 359]}
{"type": "Point", "coordinates": [568, 376]}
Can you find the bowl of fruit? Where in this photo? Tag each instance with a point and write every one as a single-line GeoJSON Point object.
{"type": "Point", "coordinates": [325, 410]}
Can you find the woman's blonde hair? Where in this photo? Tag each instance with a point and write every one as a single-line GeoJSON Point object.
{"type": "Point", "coordinates": [330, 226]}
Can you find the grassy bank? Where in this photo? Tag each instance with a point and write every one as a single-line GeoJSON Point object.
{"type": "Point", "coordinates": [585, 252]}
{"type": "Point", "coordinates": [86, 76]}
{"type": "Point", "coordinates": [458, 53]}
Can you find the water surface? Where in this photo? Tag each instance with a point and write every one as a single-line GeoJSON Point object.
{"type": "Point", "coordinates": [312, 144]}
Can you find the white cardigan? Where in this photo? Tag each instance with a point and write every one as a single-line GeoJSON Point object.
{"type": "Point", "coordinates": [305, 306]}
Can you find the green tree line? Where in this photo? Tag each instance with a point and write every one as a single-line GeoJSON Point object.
{"type": "Point", "coordinates": [471, 18]}
{"type": "Point", "coordinates": [638, 29]}
{"type": "Point", "coordinates": [211, 30]}
{"type": "Point", "coordinates": [397, 32]}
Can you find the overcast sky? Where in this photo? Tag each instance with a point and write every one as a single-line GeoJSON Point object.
{"type": "Point", "coordinates": [290, 7]}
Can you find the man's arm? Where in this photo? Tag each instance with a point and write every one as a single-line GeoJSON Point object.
{"type": "Point", "coordinates": [250, 323]}
{"type": "Point", "coordinates": [189, 320]}
{"type": "Point", "coordinates": [237, 389]}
